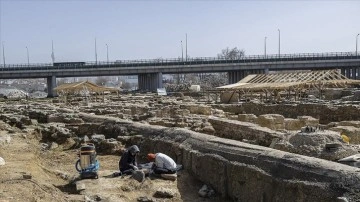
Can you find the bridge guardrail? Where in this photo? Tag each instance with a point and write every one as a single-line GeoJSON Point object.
{"type": "Point", "coordinates": [187, 61]}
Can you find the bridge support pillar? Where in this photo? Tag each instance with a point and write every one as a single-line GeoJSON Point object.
{"type": "Point", "coordinates": [353, 72]}
{"type": "Point", "coordinates": [51, 84]}
{"type": "Point", "coordinates": [358, 73]}
{"type": "Point", "coordinates": [348, 73]}
{"type": "Point", "coordinates": [343, 71]}
{"type": "Point", "coordinates": [150, 82]}
{"type": "Point", "coordinates": [235, 76]}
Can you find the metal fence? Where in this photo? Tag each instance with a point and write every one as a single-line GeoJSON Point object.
{"type": "Point", "coordinates": [186, 61]}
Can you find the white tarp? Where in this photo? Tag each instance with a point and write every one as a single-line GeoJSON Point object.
{"type": "Point", "coordinates": [161, 91]}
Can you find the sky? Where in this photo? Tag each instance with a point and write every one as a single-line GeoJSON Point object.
{"type": "Point", "coordinates": [155, 29]}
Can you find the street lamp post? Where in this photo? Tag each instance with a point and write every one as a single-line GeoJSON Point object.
{"type": "Point", "coordinates": [107, 53]}
{"type": "Point", "coordinates": [186, 55]}
{"type": "Point", "coordinates": [95, 53]}
{"type": "Point", "coordinates": [356, 43]}
{"type": "Point", "coordinates": [52, 51]}
{"type": "Point", "coordinates": [265, 47]}
{"type": "Point", "coordinates": [182, 52]}
{"type": "Point", "coordinates": [279, 42]}
{"type": "Point", "coordinates": [27, 51]}
{"type": "Point", "coordinates": [3, 54]}
{"type": "Point", "coordinates": [182, 60]}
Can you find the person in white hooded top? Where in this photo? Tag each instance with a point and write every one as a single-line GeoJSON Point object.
{"type": "Point", "coordinates": [163, 164]}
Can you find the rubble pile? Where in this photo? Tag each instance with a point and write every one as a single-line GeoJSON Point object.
{"type": "Point", "coordinates": [311, 141]}
{"type": "Point", "coordinates": [183, 87]}
{"type": "Point", "coordinates": [12, 93]}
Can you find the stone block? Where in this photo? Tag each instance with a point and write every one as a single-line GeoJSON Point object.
{"type": "Point", "coordinates": [169, 176]}
{"type": "Point", "coordinates": [138, 175]}
{"type": "Point", "coordinates": [332, 94]}
{"type": "Point", "coordinates": [356, 96]}
{"type": "Point", "coordinates": [72, 120]}
{"type": "Point", "coordinates": [198, 109]}
{"type": "Point", "coordinates": [159, 122]}
{"type": "Point", "coordinates": [352, 132]}
{"type": "Point", "coordinates": [126, 111]}
{"type": "Point", "coordinates": [88, 129]}
{"type": "Point", "coordinates": [145, 199]}
{"type": "Point", "coordinates": [169, 124]}
{"type": "Point", "coordinates": [110, 146]}
{"type": "Point", "coordinates": [292, 124]}
{"type": "Point", "coordinates": [98, 137]}
{"type": "Point", "coordinates": [206, 191]}
{"type": "Point", "coordinates": [53, 146]}
{"type": "Point", "coordinates": [247, 118]}
{"type": "Point", "coordinates": [164, 193]}
{"type": "Point", "coordinates": [349, 123]}
{"type": "Point", "coordinates": [58, 118]}
{"type": "Point", "coordinates": [233, 117]}
{"type": "Point", "coordinates": [308, 121]}
{"type": "Point", "coordinates": [272, 121]}
{"type": "Point", "coordinates": [346, 92]}
{"type": "Point", "coordinates": [34, 122]}
{"type": "Point", "coordinates": [26, 120]}
{"type": "Point", "coordinates": [229, 97]}
{"type": "Point", "coordinates": [181, 124]}
{"type": "Point", "coordinates": [5, 139]}
{"type": "Point", "coordinates": [208, 130]}
{"type": "Point", "coordinates": [80, 186]}
{"type": "Point", "coordinates": [2, 161]}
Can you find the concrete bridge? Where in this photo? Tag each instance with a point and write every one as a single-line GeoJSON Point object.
{"type": "Point", "coordinates": [150, 71]}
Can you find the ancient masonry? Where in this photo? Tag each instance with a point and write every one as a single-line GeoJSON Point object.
{"type": "Point", "coordinates": [238, 149]}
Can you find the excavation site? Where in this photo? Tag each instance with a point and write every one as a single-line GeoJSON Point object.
{"type": "Point", "coordinates": [255, 140]}
{"type": "Point", "coordinates": [179, 101]}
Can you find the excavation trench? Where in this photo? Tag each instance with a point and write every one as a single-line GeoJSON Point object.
{"type": "Point", "coordinates": [236, 170]}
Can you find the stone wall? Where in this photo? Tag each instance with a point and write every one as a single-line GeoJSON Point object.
{"type": "Point", "coordinates": [278, 122]}
{"type": "Point", "coordinates": [325, 113]}
{"type": "Point", "coordinates": [238, 130]}
{"type": "Point", "coordinates": [245, 172]}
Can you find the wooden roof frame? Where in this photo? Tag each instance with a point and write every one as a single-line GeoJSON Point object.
{"type": "Point", "coordinates": [72, 88]}
{"type": "Point", "coordinates": [291, 81]}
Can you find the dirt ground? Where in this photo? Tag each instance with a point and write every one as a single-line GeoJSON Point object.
{"type": "Point", "coordinates": [53, 173]}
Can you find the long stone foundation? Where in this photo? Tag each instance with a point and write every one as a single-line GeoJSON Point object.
{"type": "Point", "coordinates": [241, 171]}
{"type": "Point", "coordinates": [324, 113]}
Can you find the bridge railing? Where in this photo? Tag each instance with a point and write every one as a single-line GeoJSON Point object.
{"type": "Point", "coordinates": [188, 61]}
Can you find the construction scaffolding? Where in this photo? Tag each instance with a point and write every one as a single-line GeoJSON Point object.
{"type": "Point", "coordinates": [290, 84]}
{"type": "Point", "coordinates": [84, 88]}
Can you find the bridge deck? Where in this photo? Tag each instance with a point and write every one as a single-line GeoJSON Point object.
{"type": "Point", "coordinates": [304, 57]}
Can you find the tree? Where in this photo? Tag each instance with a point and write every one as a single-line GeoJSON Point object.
{"type": "Point", "coordinates": [213, 80]}
{"type": "Point", "coordinates": [61, 81]}
{"type": "Point", "coordinates": [160, 59]}
{"type": "Point", "coordinates": [126, 85]}
{"type": "Point", "coordinates": [231, 54]}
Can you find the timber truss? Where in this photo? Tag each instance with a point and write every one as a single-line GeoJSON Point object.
{"type": "Point", "coordinates": [290, 83]}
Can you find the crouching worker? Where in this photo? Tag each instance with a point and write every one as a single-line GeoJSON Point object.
{"type": "Point", "coordinates": [127, 163]}
{"type": "Point", "coordinates": [163, 164]}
